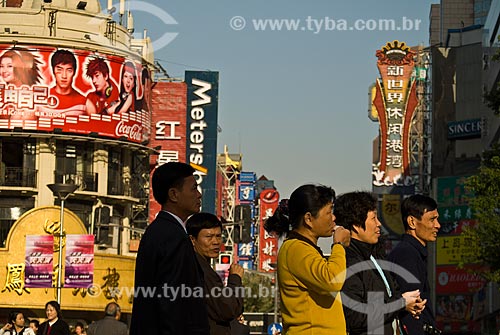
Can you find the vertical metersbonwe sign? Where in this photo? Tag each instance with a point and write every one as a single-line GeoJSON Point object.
{"type": "Point", "coordinates": [201, 132]}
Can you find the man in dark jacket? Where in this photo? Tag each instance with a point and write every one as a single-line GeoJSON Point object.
{"type": "Point", "coordinates": [205, 231]}
{"type": "Point", "coordinates": [111, 324]}
{"type": "Point", "coordinates": [420, 218]}
{"type": "Point", "coordinates": [364, 314]}
{"type": "Point", "coordinates": [168, 278]}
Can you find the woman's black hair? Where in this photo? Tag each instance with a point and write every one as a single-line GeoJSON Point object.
{"type": "Point", "coordinates": [351, 209]}
{"type": "Point", "coordinates": [13, 316]}
{"type": "Point", "coordinates": [290, 213]}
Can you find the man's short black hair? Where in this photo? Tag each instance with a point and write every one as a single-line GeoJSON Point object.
{"type": "Point", "coordinates": [416, 206]}
{"type": "Point", "coordinates": [167, 176]}
{"type": "Point", "coordinates": [63, 57]}
{"type": "Point", "coordinates": [199, 221]}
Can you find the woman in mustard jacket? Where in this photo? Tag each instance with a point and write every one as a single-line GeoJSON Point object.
{"type": "Point", "coordinates": [309, 283]}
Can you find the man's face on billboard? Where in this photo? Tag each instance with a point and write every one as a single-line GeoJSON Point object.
{"type": "Point", "coordinates": [100, 81]}
{"type": "Point", "coordinates": [64, 74]}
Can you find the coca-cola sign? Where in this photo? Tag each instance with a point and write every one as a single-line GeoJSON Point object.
{"type": "Point", "coordinates": [132, 132]}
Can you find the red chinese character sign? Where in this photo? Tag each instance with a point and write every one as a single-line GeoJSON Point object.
{"type": "Point", "coordinates": [75, 91]}
{"type": "Point", "coordinates": [169, 130]}
{"type": "Point", "coordinates": [268, 244]}
{"type": "Point", "coordinates": [395, 102]}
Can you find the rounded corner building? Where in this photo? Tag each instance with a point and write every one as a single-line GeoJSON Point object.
{"type": "Point", "coordinates": [75, 108]}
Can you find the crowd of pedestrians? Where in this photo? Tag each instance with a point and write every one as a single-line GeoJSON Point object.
{"type": "Point", "coordinates": [353, 290]}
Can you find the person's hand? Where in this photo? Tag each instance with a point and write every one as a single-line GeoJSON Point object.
{"type": "Point", "coordinates": [8, 326]}
{"type": "Point", "coordinates": [340, 234]}
{"type": "Point", "coordinates": [236, 269]}
{"type": "Point", "coordinates": [413, 303]}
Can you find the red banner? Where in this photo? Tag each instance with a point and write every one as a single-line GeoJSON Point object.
{"type": "Point", "coordinates": [450, 279]}
{"type": "Point", "coordinates": [74, 91]}
{"type": "Point", "coordinates": [169, 129]}
{"type": "Point", "coordinates": [268, 244]}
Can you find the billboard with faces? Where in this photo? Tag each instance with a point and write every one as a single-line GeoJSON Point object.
{"type": "Point", "coordinates": [74, 91]}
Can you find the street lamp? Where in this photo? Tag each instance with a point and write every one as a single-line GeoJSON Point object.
{"type": "Point", "coordinates": [275, 267]}
{"type": "Point", "coordinates": [62, 192]}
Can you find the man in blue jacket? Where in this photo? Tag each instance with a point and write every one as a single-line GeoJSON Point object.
{"type": "Point", "coordinates": [420, 218]}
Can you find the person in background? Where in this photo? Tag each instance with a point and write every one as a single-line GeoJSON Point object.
{"type": "Point", "coordinates": [420, 219]}
{"type": "Point", "coordinates": [240, 326]}
{"type": "Point", "coordinates": [54, 325]}
{"type": "Point", "coordinates": [166, 260]}
{"type": "Point", "coordinates": [205, 231]}
{"type": "Point", "coordinates": [357, 212]}
{"type": "Point", "coordinates": [110, 324]}
{"type": "Point", "coordinates": [34, 324]}
{"type": "Point", "coordinates": [79, 329]}
{"type": "Point", "coordinates": [16, 325]}
{"type": "Point", "coordinates": [309, 283]}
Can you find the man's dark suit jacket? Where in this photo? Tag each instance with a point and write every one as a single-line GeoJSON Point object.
{"type": "Point", "coordinates": [166, 261]}
{"type": "Point", "coordinates": [107, 326]}
{"type": "Point", "coordinates": [60, 327]}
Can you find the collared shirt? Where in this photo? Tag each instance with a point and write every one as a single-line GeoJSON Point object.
{"type": "Point", "coordinates": [182, 223]}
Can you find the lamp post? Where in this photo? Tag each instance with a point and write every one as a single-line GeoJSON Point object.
{"type": "Point", "coordinates": [275, 267]}
{"type": "Point", "coordinates": [62, 192]}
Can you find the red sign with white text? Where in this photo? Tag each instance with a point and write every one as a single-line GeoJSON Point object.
{"type": "Point", "coordinates": [268, 244]}
{"type": "Point", "coordinates": [75, 91]}
{"type": "Point", "coordinates": [169, 129]}
{"type": "Point", "coordinates": [452, 280]}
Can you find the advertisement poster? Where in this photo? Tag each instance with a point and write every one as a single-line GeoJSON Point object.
{"type": "Point", "coordinates": [39, 261]}
{"type": "Point", "coordinates": [74, 91]}
{"type": "Point", "coordinates": [202, 130]}
{"type": "Point", "coordinates": [268, 243]}
{"type": "Point", "coordinates": [79, 261]}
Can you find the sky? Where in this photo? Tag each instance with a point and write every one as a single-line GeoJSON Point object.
{"type": "Point", "coordinates": [293, 102]}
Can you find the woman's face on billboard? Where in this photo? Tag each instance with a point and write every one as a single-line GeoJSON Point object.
{"type": "Point", "coordinates": [7, 69]}
{"type": "Point", "coordinates": [128, 81]}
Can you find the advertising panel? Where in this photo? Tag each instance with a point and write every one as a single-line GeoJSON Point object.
{"type": "Point", "coordinates": [169, 129]}
{"type": "Point", "coordinates": [268, 244]}
{"type": "Point", "coordinates": [39, 261]}
{"type": "Point", "coordinates": [79, 268]}
{"type": "Point", "coordinates": [201, 136]}
{"type": "Point", "coordinates": [246, 196]}
{"type": "Point", "coordinates": [395, 102]}
{"type": "Point", "coordinates": [74, 91]}
{"type": "Point", "coordinates": [454, 249]}
{"type": "Point", "coordinates": [451, 279]}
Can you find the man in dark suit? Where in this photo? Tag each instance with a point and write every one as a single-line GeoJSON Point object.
{"type": "Point", "coordinates": [111, 324]}
{"type": "Point", "coordinates": [168, 281]}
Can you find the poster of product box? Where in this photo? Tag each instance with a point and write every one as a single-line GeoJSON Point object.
{"type": "Point", "coordinates": [39, 261]}
{"type": "Point", "coordinates": [79, 272]}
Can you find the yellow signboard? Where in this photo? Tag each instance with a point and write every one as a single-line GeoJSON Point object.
{"type": "Point", "coordinates": [113, 274]}
{"type": "Point", "coordinates": [454, 249]}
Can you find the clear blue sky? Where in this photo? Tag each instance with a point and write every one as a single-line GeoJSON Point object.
{"type": "Point", "coordinates": [294, 103]}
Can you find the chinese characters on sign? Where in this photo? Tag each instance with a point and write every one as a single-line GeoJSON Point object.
{"type": "Point", "coordinates": [268, 244]}
{"type": "Point", "coordinates": [395, 101]}
{"type": "Point", "coordinates": [15, 279]}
